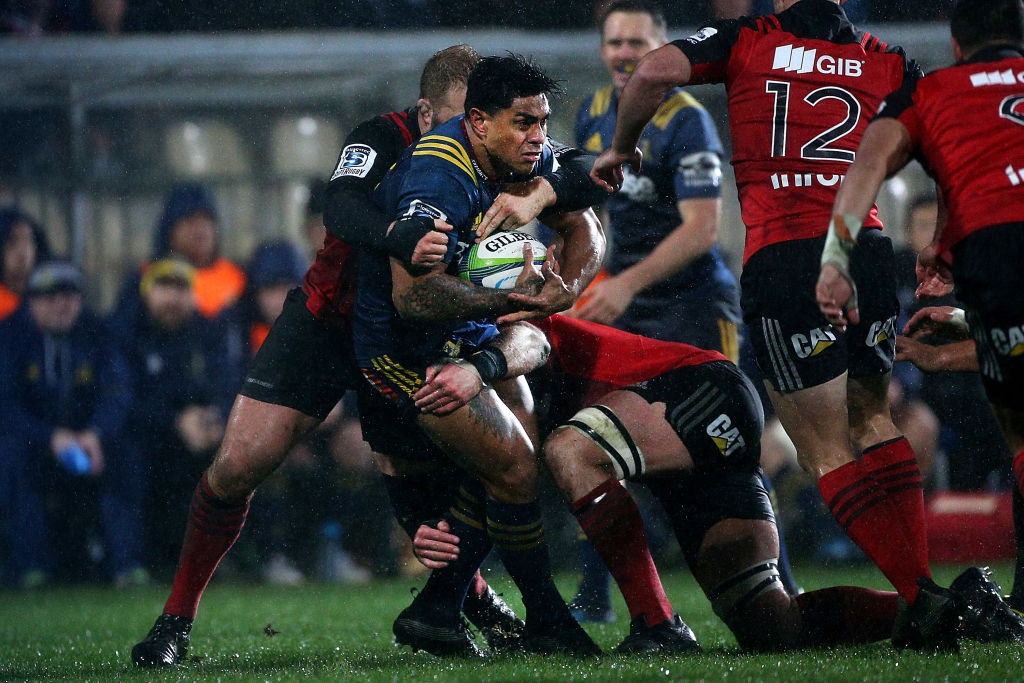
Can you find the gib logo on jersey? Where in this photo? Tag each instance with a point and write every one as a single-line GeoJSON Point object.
{"type": "Point", "coordinates": [881, 331]}
{"type": "Point", "coordinates": [1008, 342]}
{"type": "Point", "coordinates": [356, 160]}
{"type": "Point", "coordinates": [803, 61]}
{"type": "Point", "coordinates": [819, 339]}
{"type": "Point", "coordinates": [997, 78]}
{"type": "Point", "coordinates": [726, 437]}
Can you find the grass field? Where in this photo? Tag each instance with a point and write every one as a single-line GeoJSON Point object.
{"type": "Point", "coordinates": [339, 632]}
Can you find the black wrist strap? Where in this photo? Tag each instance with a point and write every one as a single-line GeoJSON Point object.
{"type": "Point", "coordinates": [405, 234]}
{"type": "Point", "coordinates": [490, 363]}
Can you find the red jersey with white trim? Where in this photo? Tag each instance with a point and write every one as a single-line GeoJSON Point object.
{"type": "Point", "coordinates": [610, 356]}
{"type": "Point", "coordinates": [966, 123]}
{"type": "Point", "coordinates": [370, 150]}
{"type": "Point", "coordinates": [803, 85]}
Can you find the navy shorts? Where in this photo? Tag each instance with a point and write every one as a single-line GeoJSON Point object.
{"type": "Point", "coordinates": [794, 345]}
{"type": "Point", "coordinates": [989, 281]}
{"type": "Point", "coordinates": [304, 363]}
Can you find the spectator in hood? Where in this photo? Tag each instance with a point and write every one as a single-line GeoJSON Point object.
{"type": "Point", "coordinates": [65, 483]}
{"type": "Point", "coordinates": [24, 244]}
{"type": "Point", "coordinates": [188, 229]}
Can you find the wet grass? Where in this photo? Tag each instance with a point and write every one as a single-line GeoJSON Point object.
{"type": "Point", "coordinates": [343, 632]}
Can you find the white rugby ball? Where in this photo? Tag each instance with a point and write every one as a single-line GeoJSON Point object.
{"type": "Point", "coordinates": [497, 260]}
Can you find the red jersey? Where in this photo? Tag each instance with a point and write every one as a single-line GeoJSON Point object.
{"type": "Point", "coordinates": [966, 123]}
{"type": "Point", "coordinates": [803, 85]}
{"type": "Point", "coordinates": [610, 356]}
{"type": "Point", "coordinates": [370, 150]}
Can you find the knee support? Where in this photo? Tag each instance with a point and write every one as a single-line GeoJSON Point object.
{"type": "Point", "coordinates": [736, 592]}
{"type": "Point", "coordinates": [602, 426]}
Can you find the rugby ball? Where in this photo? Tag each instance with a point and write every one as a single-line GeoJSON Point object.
{"type": "Point", "coordinates": [497, 260]}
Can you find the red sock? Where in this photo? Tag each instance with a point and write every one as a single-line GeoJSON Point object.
{"type": "Point", "coordinates": [1018, 471]}
{"type": "Point", "coordinates": [864, 513]}
{"type": "Point", "coordinates": [213, 527]}
{"type": "Point", "coordinates": [612, 522]}
{"type": "Point", "coordinates": [844, 614]}
{"type": "Point", "coordinates": [893, 466]}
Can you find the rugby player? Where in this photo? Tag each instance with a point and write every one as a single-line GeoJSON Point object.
{"type": "Point", "coordinates": [965, 123]}
{"type": "Point", "coordinates": [401, 328]}
{"type": "Point", "coordinates": [307, 363]}
{"type": "Point", "coordinates": [802, 86]}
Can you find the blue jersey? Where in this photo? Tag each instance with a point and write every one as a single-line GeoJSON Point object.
{"type": "Point", "coordinates": [681, 160]}
{"type": "Point", "coordinates": [438, 177]}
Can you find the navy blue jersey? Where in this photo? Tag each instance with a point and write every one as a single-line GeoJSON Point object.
{"type": "Point", "coordinates": [439, 178]}
{"type": "Point", "coordinates": [682, 160]}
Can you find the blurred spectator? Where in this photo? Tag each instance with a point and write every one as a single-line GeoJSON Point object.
{"type": "Point", "coordinates": [315, 228]}
{"type": "Point", "coordinates": [24, 244]}
{"type": "Point", "coordinates": [89, 16]}
{"type": "Point", "coordinates": [183, 382]}
{"type": "Point", "coordinates": [188, 229]}
{"type": "Point", "coordinates": [976, 456]}
{"type": "Point", "coordinates": [64, 394]}
{"type": "Point", "coordinates": [24, 17]}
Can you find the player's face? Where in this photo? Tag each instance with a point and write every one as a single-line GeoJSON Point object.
{"type": "Point", "coordinates": [19, 253]}
{"type": "Point", "coordinates": [626, 38]}
{"type": "Point", "coordinates": [516, 135]}
{"type": "Point", "coordinates": [56, 312]}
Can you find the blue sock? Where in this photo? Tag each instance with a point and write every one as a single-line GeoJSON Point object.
{"type": "Point", "coordinates": [517, 532]}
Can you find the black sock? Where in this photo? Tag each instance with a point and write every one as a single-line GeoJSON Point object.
{"type": "Point", "coordinates": [1018, 530]}
{"type": "Point", "coordinates": [416, 498]}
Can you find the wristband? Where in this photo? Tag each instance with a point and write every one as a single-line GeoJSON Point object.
{"type": "Point", "coordinates": [405, 234]}
{"type": "Point", "coordinates": [490, 363]}
{"type": "Point", "coordinates": [958, 317]}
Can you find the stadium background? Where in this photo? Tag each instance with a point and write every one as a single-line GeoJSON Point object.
{"type": "Point", "coordinates": [95, 130]}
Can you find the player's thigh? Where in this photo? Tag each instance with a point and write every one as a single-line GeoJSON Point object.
{"type": "Point", "coordinates": [257, 439]}
{"type": "Point", "coordinates": [622, 436]}
{"type": "Point", "coordinates": [817, 421]}
{"type": "Point", "coordinates": [515, 393]}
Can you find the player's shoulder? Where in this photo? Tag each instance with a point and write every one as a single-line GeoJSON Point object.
{"type": "Point", "coordinates": [445, 149]}
{"type": "Point", "coordinates": [679, 104]}
{"type": "Point", "coordinates": [597, 103]}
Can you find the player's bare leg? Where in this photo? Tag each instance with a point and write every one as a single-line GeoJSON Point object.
{"type": "Point", "coordinates": [485, 438]}
{"type": "Point", "coordinates": [257, 439]}
{"type": "Point", "coordinates": [588, 476]}
{"type": "Point", "coordinates": [875, 499]}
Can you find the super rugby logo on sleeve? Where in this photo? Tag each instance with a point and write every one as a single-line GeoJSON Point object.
{"type": "Point", "coordinates": [356, 160]}
{"type": "Point", "coordinates": [419, 208]}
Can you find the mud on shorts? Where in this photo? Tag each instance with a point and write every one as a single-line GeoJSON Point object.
{"type": "Point", "coordinates": [987, 270]}
{"type": "Point", "coordinates": [794, 345]}
{"type": "Point", "coordinates": [305, 363]}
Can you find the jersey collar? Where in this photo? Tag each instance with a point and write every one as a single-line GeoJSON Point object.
{"type": "Point", "coordinates": [820, 20]}
{"type": "Point", "coordinates": [995, 53]}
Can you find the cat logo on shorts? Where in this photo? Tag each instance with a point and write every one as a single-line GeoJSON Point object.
{"type": "Point", "coordinates": [726, 437]}
{"type": "Point", "coordinates": [811, 345]}
{"type": "Point", "coordinates": [1009, 342]}
{"type": "Point", "coordinates": [881, 331]}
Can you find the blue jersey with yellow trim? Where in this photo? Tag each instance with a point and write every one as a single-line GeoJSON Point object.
{"type": "Point", "coordinates": [682, 160]}
{"type": "Point", "coordinates": [438, 178]}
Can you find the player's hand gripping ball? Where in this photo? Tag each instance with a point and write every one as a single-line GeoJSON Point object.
{"type": "Point", "coordinates": [497, 260]}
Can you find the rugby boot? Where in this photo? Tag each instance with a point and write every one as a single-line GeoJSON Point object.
{"type": "Point", "coordinates": [669, 637]}
{"type": "Point", "coordinates": [566, 637]}
{"type": "Point", "coordinates": [1015, 603]}
{"type": "Point", "coordinates": [988, 619]}
{"type": "Point", "coordinates": [166, 644]}
{"type": "Point", "coordinates": [500, 626]}
{"type": "Point", "coordinates": [421, 630]}
{"type": "Point", "coordinates": [933, 623]}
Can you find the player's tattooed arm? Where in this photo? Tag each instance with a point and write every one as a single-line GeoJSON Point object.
{"type": "Point", "coordinates": [438, 297]}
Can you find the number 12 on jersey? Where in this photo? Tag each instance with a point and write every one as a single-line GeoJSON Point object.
{"type": "Point", "coordinates": [817, 148]}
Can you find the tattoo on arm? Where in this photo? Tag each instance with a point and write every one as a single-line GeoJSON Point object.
{"type": "Point", "coordinates": [439, 297]}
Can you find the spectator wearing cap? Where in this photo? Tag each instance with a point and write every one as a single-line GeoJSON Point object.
{"type": "Point", "coordinates": [188, 229]}
{"type": "Point", "coordinates": [183, 384]}
{"type": "Point", "coordinates": [24, 244]}
{"type": "Point", "coordinates": [64, 393]}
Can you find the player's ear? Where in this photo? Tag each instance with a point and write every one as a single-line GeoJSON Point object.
{"type": "Point", "coordinates": [479, 121]}
{"type": "Point", "coordinates": [426, 114]}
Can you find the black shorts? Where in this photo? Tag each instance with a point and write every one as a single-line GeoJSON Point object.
{"type": "Point", "coordinates": [304, 363]}
{"type": "Point", "coordinates": [716, 412]}
{"type": "Point", "coordinates": [794, 345]}
{"type": "Point", "coordinates": [989, 277]}
{"type": "Point", "coordinates": [389, 426]}
{"type": "Point", "coordinates": [696, 501]}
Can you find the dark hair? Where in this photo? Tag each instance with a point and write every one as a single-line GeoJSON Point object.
{"type": "Point", "coordinates": [980, 22]}
{"type": "Point", "coordinates": [633, 7]}
{"type": "Point", "coordinates": [445, 69]}
{"type": "Point", "coordinates": [496, 81]}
